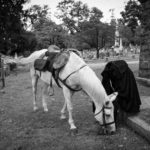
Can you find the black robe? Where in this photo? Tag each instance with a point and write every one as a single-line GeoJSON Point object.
{"type": "Point", "coordinates": [117, 76]}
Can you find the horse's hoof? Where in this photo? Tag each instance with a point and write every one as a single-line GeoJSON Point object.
{"type": "Point", "coordinates": [102, 132]}
{"type": "Point", "coordinates": [73, 132]}
{"type": "Point", "coordinates": [35, 109]}
{"type": "Point", "coordinates": [52, 98]}
{"type": "Point", "coordinates": [62, 117]}
{"type": "Point", "coordinates": [106, 132]}
{"type": "Point", "coordinates": [46, 110]}
{"type": "Point", "coordinates": [112, 133]}
{"type": "Point", "coordinates": [2, 91]}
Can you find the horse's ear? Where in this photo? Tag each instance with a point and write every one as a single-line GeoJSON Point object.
{"type": "Point", "coordinates": [113, 96]}
{"type": "Point", "coordinates": [61, 60]}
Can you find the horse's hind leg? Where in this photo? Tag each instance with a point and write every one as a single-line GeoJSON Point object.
{"type": "Point", "coordinates": [68, 94]}
{"type": "Point", "coordinates": [34, 88]}
{"type": "Point", "coordinates": [44, 96]}
{"type": "Point", "coordinates": [63, 116]}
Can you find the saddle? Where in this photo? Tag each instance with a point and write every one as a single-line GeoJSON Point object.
{"type": "Point", "coordinates": [55, 60]}
{"type": "Point", "coordinates": [40, 64]}
{"type": "Point", "coordinates": [54, 63]}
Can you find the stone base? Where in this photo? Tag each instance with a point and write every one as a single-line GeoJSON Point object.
{"type": "Point", "coordinates": [144, 81]}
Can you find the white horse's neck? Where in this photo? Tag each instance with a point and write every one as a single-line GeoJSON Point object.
{"type": "Point", "coordinates": [93, 87]}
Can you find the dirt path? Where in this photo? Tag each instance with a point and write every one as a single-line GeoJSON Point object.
{"type": "Point", "coordinates": [23, 129]}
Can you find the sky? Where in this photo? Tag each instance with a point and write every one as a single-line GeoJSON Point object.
{"type": "Point", "coordinates": [103, 5]}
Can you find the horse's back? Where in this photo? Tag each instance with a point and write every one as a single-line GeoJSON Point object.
{"type": "Point", "coordinates": [35, 55]}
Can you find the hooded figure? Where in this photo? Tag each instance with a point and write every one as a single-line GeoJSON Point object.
{"type": "Point", "coordinates": [117, 76]}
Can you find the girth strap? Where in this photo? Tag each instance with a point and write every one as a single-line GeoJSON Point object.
{"type": "Point", "coordinates": [73, 73]}
{"type": "Point", "coordinates": [99, 111]}
{"type": "Point", "coordinates": [64, 81]}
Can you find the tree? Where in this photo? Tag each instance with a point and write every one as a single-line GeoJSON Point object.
{"type": "Point", "coordinates": [72, 13]}
{"type": "Point", "coordinates": [131, 18]}
{"type": "Point", "coordinates": [144, 65]}
{"type": "Point", "coordinates": [11, 25]}
{"type": "Point", "coordinates": [96, 15]}
{"type": "Point", "coordinates": [95, 35]}
{"type": "Point", "coordinates": [125, 33]}
{"type": "Point", "coordinates": [36, 14]}
{"type": "Point", "coordinates": [26, 42]}
{"type": "Point", "coordinates": [48, 33]}
{"type": "Point", "coordinates": [45, 30]}
{"type": "Point", "coordinates": [132, 14]}
{"type": "Point", "coordinates": [85, 25]}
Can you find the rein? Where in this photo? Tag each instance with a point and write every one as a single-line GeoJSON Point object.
{"type": "Point", "coordinates": [104, 121]}
{"type": "Point", "coordinates": [99, 111]}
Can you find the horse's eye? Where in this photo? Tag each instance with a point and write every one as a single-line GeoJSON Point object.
{"type": "Point", "coordinates": [107, 103]}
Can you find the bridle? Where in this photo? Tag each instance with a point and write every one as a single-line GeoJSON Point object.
{"type": "Point", "coordinates": [104, 120]}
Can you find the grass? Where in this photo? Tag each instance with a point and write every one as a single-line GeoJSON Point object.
{"type": "Point", "coordinates": [23, 129]}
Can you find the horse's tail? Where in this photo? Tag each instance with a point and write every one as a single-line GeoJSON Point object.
{"type": "Point", "coordinates": [30, 59]}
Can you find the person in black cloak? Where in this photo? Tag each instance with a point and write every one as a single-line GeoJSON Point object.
{"type": "Point", "coordinates": [118, 77]}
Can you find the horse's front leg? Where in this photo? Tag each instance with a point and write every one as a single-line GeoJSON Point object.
{"type": "Point", "coordinates": [63, 116]}
{"type": "Point", "coordinates": [68, 94]}
{"type": "Point", "coordinates": [44, 96]}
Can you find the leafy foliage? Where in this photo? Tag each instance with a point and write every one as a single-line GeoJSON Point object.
{"type": "Point", "coordinates": [85, 25]}
{"type": "Point", "coordinates": [132, 14]}
{"type": "Point", "coordinates": [72, 13]}
{"type": "Point", "coordinates": [81, 27]}
{"type": "Point", "coordinates": [36, 14]}
{"type": "Point", "coordinates": [46, 31]}
{"type": "Point", "coordinates": [131, 22]}
{"type": "Point", "coordinates": [11, 25]}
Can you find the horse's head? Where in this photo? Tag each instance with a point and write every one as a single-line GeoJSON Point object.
{"type": "Point", "coordinates": [106, 115]}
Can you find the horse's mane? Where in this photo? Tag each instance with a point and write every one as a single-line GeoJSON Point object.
{"type": "Point", "coordinates": [75, 51]}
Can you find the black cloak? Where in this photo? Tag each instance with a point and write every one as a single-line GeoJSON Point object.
{"type": "Point", "coordinates": [117, 76]}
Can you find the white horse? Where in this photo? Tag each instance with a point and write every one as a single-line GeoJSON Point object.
{"type": "Point", "coordinates": [75, 75]}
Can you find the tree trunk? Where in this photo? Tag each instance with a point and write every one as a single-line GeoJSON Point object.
{"type": "Point", "coordinates": [97, 47]}
{"type": "Point", "coordinates": [97, 53]}
{"type": "Point", "coordinates": [144, 64]}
